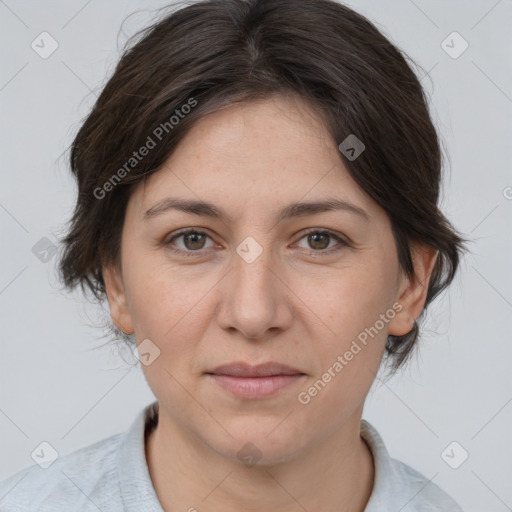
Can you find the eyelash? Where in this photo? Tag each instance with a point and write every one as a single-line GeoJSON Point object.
{"type": "Point", "coordinates": [191, 254]}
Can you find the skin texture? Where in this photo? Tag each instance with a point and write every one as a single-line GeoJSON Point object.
{"type": "Point", "coordinates": [300, 302]}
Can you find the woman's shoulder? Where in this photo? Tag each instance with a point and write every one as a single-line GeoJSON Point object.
{"type": "Point", "coordinates": [398, 486]}
{"type": "Point", "coordinates": [422, 494]}
{"type": "Point", "coordinates": [78, 481]}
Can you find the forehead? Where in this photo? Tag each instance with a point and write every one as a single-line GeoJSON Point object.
{"type": "Point", "coordinates": [264, 153]}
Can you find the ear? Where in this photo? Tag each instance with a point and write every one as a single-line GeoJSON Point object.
{"type": "Point", "coordinates": [412, 292]}
{"type": "Point", "coordinates": [117, 299]}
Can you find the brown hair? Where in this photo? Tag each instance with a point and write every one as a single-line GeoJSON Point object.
{"type": "Point", "coordinates": [214, 53]}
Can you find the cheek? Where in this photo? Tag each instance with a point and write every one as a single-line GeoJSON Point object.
{"type": "Point", "coordinates": [172, 307]}
{"type": "Point", "coordinates": [351, 306]}
{"type": "Point", "coordinates": [167, 309]}
{"type": "Point", "coordinates": [349, 300]}
{"type": "Point", "coordinates": [162, 297]}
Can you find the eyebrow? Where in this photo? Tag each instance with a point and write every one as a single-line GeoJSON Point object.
{"type": "Point", "coordinates": [203, 208]}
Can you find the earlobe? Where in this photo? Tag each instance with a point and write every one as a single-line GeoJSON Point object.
{"type": "Point", "coordinates": [116, 296]}
{"type": "Point", "coordinates": [412, 291]}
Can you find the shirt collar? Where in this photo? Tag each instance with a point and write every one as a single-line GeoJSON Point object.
{"type": "Point", "coordinates": [384, 475]}
{"type": "Point", "coordinates": [137, 491]}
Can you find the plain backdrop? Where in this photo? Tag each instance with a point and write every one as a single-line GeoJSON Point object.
{"type": "Point", "coordinates": [56, 386]}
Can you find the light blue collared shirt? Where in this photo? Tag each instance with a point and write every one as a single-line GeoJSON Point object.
{"type": "Point", "coordinates": [112, 475]}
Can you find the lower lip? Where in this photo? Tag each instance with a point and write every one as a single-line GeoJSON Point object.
{"type": "Point", "coordinates": [255, 387]}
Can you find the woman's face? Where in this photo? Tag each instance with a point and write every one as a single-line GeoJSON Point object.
{"type": "Point", "coordinates": [255, 285]}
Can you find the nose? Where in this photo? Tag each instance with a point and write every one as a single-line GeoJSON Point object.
{"type": "Point", "coordinates": [254, 298]}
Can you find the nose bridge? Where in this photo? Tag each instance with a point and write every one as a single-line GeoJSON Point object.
{"type": "Point", "coordinates": [253, 267]}
{"type": "Point", "coordinates": [251, 302]}
{"type": "Point", "coordinates": [252, 273]}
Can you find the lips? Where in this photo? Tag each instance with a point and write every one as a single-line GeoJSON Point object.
{"type": "Point", "coordinates": [242, 369]}
{"type": "Point", "coordinates": [262, 381]}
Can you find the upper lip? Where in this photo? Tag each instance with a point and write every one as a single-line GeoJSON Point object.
{"type": "Point", "coordinates": [242, 369]}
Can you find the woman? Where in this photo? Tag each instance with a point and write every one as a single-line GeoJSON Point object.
{"type": "Point", "coordinates": [258, 202]}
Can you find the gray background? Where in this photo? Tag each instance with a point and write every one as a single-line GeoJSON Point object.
{"type": "Point", "coordinates": [57, 382]}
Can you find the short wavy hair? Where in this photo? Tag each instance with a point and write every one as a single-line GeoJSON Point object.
{"type": "Point", "coordinates": [222, 52]}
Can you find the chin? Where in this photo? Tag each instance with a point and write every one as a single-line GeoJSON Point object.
{"type": "Point", "coordinates": [259, 442]}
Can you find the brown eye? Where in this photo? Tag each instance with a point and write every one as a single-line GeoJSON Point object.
{"type": "Point", "coordinates": [320, 241]}
{"type": "Point", "coordinates": [192, 241]}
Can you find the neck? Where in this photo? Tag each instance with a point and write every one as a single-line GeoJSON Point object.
{"type": "Point", "coordinates": [336, 475]}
